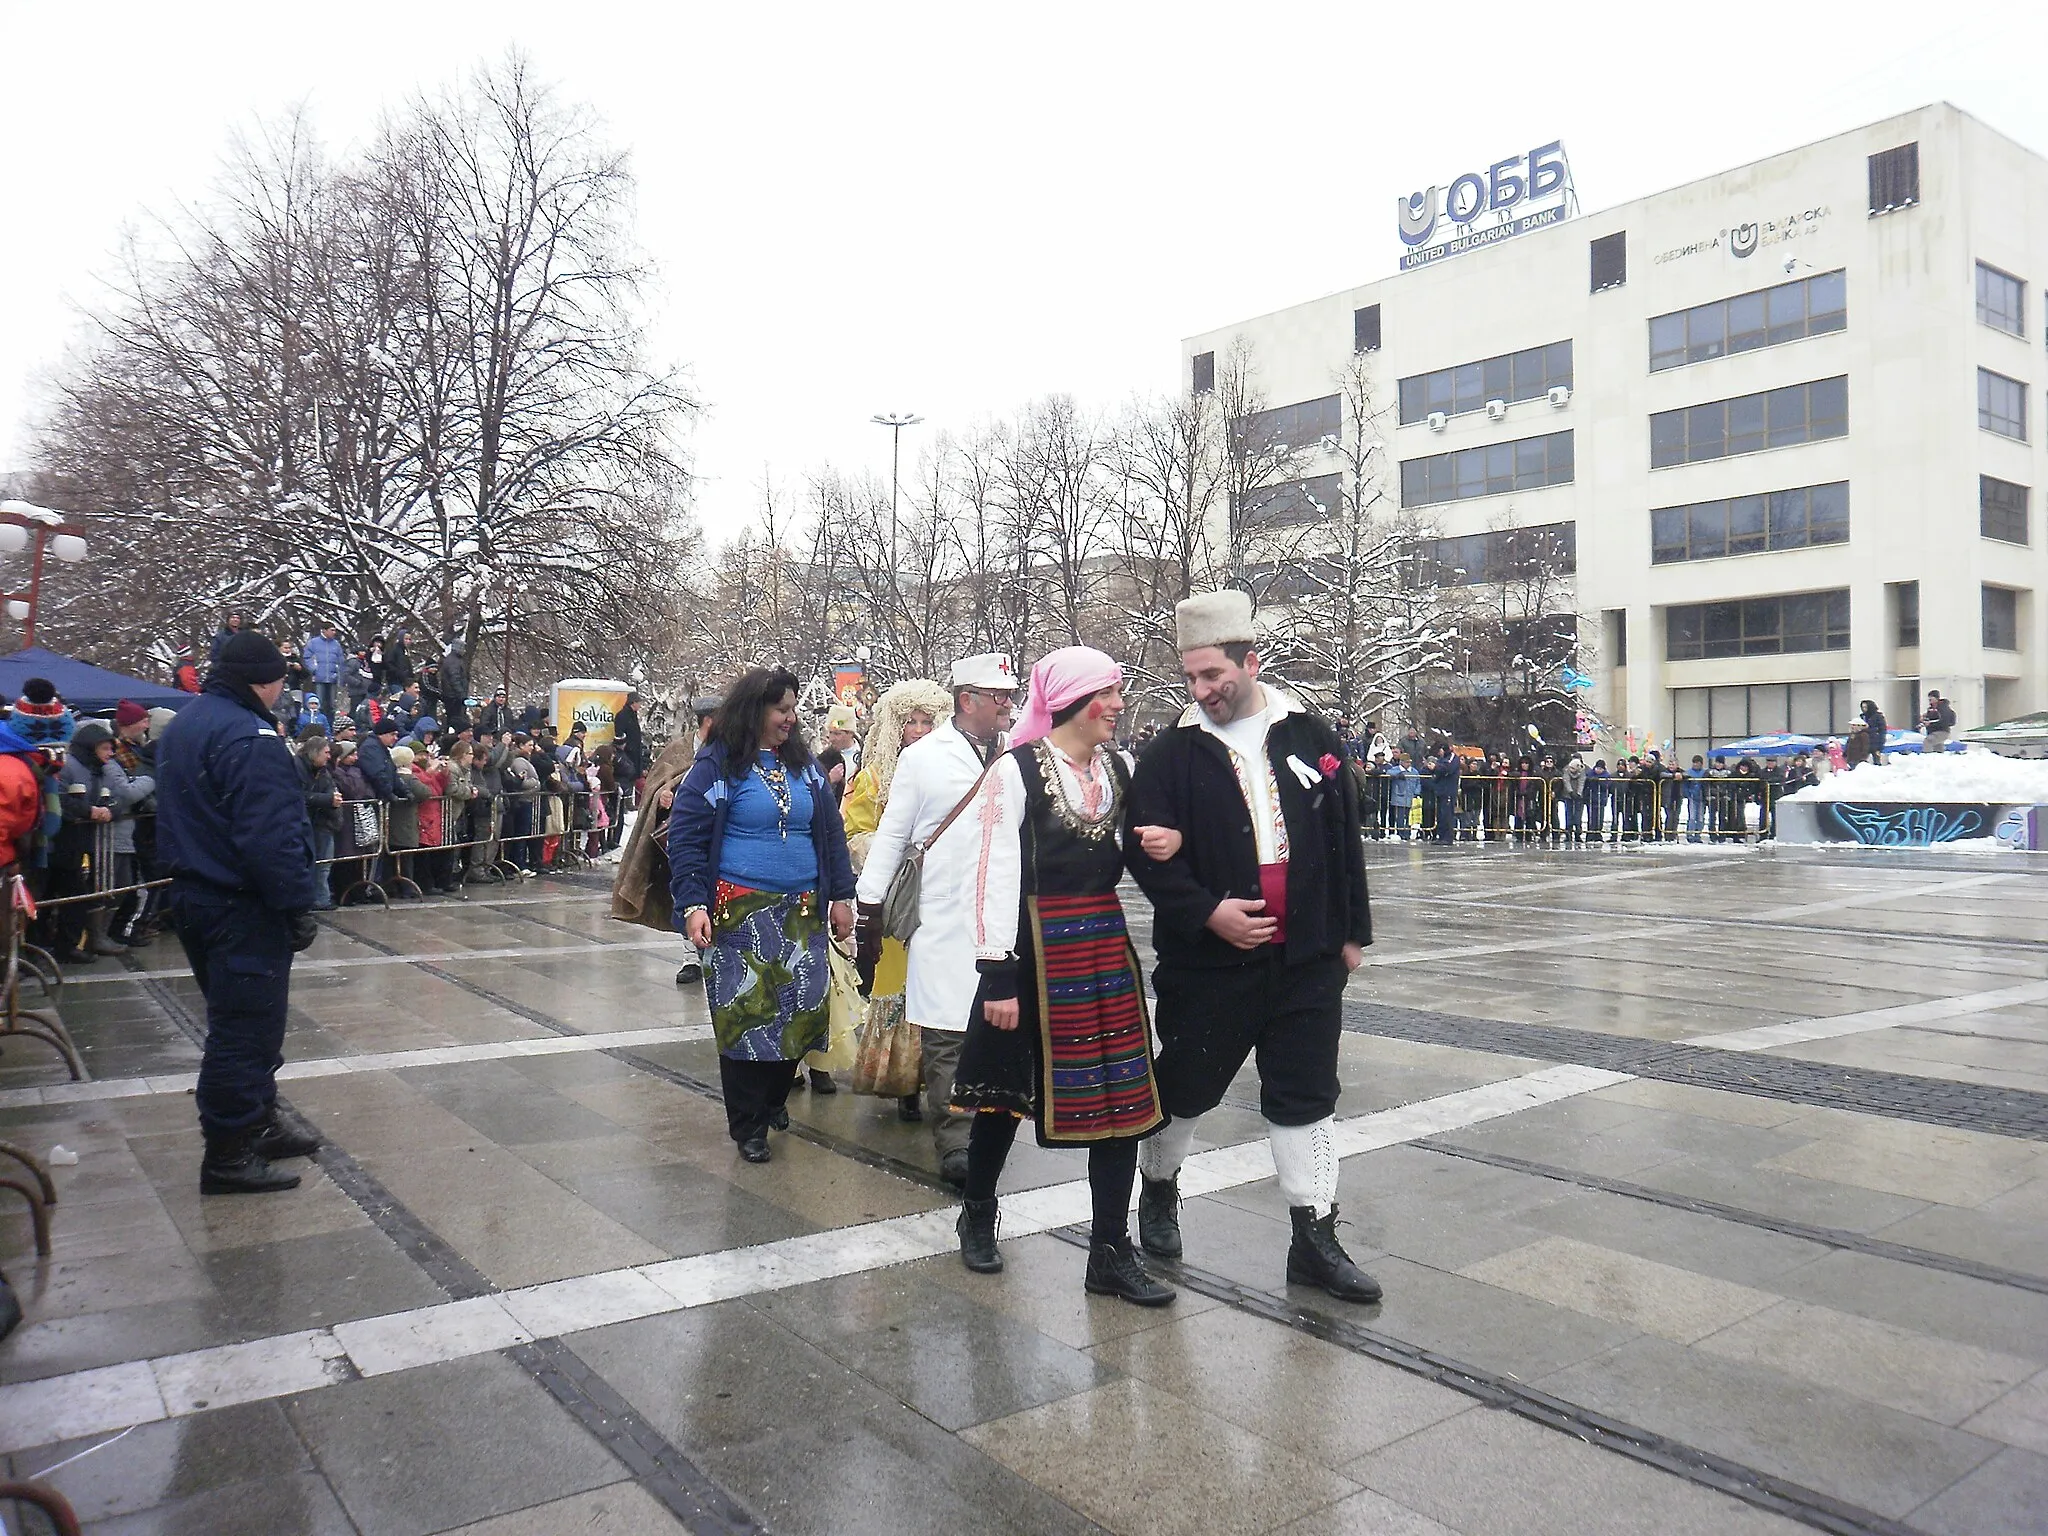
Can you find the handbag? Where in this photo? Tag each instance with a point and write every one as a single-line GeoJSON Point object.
{"type": "Point", "coordinates": [362, 824]}
{"type": "Point", "coordinates": [888, 1051]}
{"type": "Point", "coordinates": [845, 1008]}
{"type": "Point", "coordinates": [900, 915]}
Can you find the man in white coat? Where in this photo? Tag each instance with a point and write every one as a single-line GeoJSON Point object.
{"type": "Point", "coordinates": [933, 776]}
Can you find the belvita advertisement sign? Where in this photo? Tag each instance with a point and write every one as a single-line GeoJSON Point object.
{"type": "Point", "coordinates": [594, 701]}
{"type": "Point", "coordinates": [1479, 208]}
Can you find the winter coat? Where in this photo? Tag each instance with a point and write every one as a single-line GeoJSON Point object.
{"type": "Point", "coordinates": [454, 676]}
{"type": "Point", "coordinates": [361, 681]}
{"type": "Point", "coordinates": [1443, 774]}
{"type": "Point", "coordinates": [1187, 779]}
{"type": "Point", "coordinates": [487, 771]}
{"type": "Point", "coordinates": [1574, 781]}
{"type": "Point", "coordinates": [324, 658]}
{"type": "Point", "coordinates": [632, 747]}
{"type": "Point", "coordinates": [231, 813]}
{"type": "Point", "coordinates": [397, 666]}
{"type": "Point", "coordinates": [495, 718]}
{"type": "Point", "coordinates": [641, 892]}
{"type": "Point", "coordinates": [522, 784]}
{"type": "Point", "coordinates": [1403, 784]}
{"type": "Point", "coordinates": [21, 797]}
{"type": "Point", "coordinates": [696, 833]}
{"type": "Point", "coordinates": [320, 789]}
{"type": "Point", "coordinates": [374, 758]}
{"type": "Point", "coordinates": [405, 813]}
{"type": "Point", "coordinates": [186, 677]}
{"type": "Point", "coordinates": [1874, 725]}
{"type": "Point", "coordinates": [432, 810]}
{"type": "Point", "coordinates": [221, 637]}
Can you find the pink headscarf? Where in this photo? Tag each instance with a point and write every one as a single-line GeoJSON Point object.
{"type": "Point", "coordinates": [1060, 677]}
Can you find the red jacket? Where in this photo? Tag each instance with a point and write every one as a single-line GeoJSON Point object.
{"type": "Point", "coordinates": [430, 810]}
{"type": "Point", "coordinates": [21, 804]}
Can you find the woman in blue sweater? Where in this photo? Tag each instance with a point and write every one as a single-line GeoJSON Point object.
{"type": "Point", "coordinates": [756, 851]}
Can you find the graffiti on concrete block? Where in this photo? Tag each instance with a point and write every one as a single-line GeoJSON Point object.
{"type": "Point", "coordinates": [1902, 826]}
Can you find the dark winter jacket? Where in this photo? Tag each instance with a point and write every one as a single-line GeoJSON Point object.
{"type": "Point", "coordinates": [231, 812]}
{"type": "Point", "coordinates": [1186, 780]}
{"type": "Point", "coordinates": [374, 758]}
{"type": "Point", "coordinates": [397, 665]}
{"type": "Point", "coordinates": [696, 834]}
{"type": "Point", "coordinates": [320, 787]}
{"type": "Point", "coordinates": [632, 747]}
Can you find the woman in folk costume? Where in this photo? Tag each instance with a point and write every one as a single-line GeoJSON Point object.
{"type": "Point", "coordinates": [907, 712]}
{"type": "Point", "coordinates": [1059, 1030]}
{"type": "Point", "coordinates": [757, 860]}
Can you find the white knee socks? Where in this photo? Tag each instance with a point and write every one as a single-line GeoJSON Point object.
{"type": "Point", "coordinates": [1305, 1158]}
{"type": "Point", "coordinates": [1160, 1155]}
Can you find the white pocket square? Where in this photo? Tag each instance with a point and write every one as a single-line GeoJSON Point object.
{"type": "Point", "coordinates": [1308, 776]}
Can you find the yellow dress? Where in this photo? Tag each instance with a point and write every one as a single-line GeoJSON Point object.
{"type": "Point", "coordinates": [861, 810]}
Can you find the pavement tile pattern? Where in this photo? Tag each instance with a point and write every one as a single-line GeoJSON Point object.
{"type": "Point", "coordinates": [1709, 1195]}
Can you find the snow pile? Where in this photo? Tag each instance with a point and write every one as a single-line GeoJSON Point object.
{"type": "Point", "coordinates": [1948, 778]}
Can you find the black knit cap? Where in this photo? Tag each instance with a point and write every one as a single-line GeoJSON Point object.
{"type": "Point", "coordinates": [250, 658]}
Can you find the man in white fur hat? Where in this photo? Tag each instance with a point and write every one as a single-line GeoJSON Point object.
{"type": "Point", "coordinates": [935, 776]}
{"type": "Point", "coordinates": [1261, 917]}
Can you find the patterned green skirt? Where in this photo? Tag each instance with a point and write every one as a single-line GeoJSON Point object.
{"type": "Point", "coordinates": [769, 975]}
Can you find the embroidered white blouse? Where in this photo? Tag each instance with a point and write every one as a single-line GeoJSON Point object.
{"type": "Point", "coordinates": [998, 812]}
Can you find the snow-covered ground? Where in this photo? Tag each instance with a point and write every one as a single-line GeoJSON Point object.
{"type": "Point", "coordinates": [1950, 778]}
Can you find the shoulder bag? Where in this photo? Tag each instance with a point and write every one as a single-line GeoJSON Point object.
{"type": "Point", "coordinates": [900, 917]}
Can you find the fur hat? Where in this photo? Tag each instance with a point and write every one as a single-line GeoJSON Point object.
{"type": "Point", "coordinates": [1213, 618]}
{"type": "Point", "coordinates": [401, 757]}
{"type": "Point", "coordinates": [842, 718]}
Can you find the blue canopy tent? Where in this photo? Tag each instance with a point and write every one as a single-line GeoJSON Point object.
{"type": "Point", "coordinates": [1913, 741]}
{"type": "Point", "coordinates": [87, 689]}
{"type": "Point", "coordinates": [1775, 744]}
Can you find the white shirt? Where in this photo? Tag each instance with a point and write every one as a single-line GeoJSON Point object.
{"type": "Point", "coordinates": [998, 816]}
{"type": "Point", "coordinates": [1246, 740]}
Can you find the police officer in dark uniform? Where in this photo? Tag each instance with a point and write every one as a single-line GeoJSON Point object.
{"type": "Point", "coordinates": [233, 833]}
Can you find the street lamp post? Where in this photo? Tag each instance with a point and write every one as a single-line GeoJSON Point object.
{"type": "Point", "coordinates": [895, 422]}
{"type": "Point", "coordinates": [21, 523]}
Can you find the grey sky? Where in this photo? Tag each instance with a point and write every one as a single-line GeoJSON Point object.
{"type": "Point", "coordinates": [951, 208]}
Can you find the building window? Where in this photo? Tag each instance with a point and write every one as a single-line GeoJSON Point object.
{"type": "Point", "coordinates": [1365, 329]}
{"type": "Point", "coordinates": [1895, 179]}
{"type": "Point", "coordinates": [1205, 372]}
{"type": "Point", "coordinates": [1497, 468]}
{"type": "Point", "coordinates": [2001, 301]}
{"type": "Point", "coordinates": [1500, 555]}
{"type": "Point", "coordinates": [1295, 426]}
{"type": "Point", "coordinates": [2001, 619]}
{"type": "Point", "coordinates": [1704, 718]}
{"type": "Point", "coordinates": [2002, 510]}
{"type": "Point", "coordinates": [1610, 260]}
{"type": "Point", "coordinates": [2001, 405]}
{"type": "Point", "coordinates": [1294, 502]}
{"type": "Point", "coordinates": [1811, 306]}
{"type": "Point", "coordinates": [1758, 626]}
{"type": "Point", "coordinates": [1777, 418]}
{"type": "Point", "coordinates": [1748, 525]}
{"type": "Point", "coordinates": [1907, 596]}
{"type": "Point", "coordinates": [1526, 375]}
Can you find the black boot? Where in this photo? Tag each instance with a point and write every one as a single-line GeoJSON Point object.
{"type": "Point", "coordinates": [1114, 1269]}
{"type": "Point", "coordinates": [1159, 1216]}
{"type": "Point", "coordinates": [233, 1166]}
{"type": "Point", "coordinates": [910, 1108]}
{"type": "Point", "coordinates": [278, 1137]}
{"type": "Point", "coordinates": [1317, 1258]}
{"type": "Point", "coordinates": [755, 1148]}
{"type": "Point", "coordinates": [821, 1082]}
{"type": "Point", "coordinates": [977, 1229]}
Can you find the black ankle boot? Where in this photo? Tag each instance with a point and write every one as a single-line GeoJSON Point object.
{"type": "Point", "coordinates": [1114, 1269]}
{"type": "Point", "coordinates": [977, 1229]}
{"type": "Point", "coordinates": [1159, 1216]}
{"type": "Point", "coordinates": [233, 1166]}
{"type": "Point", "coordinates": [278, 1137]}
{"type": "Point", "coordinates": [1317, 1258]}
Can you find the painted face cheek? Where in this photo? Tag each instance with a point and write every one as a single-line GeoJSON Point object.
{"type": "Point", "coordinates": [1097, 709]}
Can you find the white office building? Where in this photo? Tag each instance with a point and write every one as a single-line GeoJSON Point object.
{"type": "Point", "coordinates": [1791, 413]}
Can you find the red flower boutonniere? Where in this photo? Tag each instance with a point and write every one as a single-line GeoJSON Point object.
{"type": "Point", "coordinates": [1329, 764]}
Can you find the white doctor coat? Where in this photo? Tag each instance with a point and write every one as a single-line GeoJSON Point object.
{"type": "Point", "coordinates": [932, 776]}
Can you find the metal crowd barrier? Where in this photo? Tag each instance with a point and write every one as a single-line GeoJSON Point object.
{"type": "Point", "coordinates": [1535, 809]}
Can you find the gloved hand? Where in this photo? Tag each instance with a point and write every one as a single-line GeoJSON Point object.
{"type": "Point", "coordinates": [867, 944]}
{"type": "Point", "coordinates": [304, 930]}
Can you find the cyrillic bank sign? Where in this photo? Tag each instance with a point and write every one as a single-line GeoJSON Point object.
{"type": "Point", "coordinates": [1476, 210]}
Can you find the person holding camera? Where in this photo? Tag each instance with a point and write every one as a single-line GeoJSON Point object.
{"type": "Point", "coordinates": [234, 836]}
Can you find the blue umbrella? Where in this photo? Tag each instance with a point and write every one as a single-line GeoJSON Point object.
{"type": "Point", "coordinates": [1913, 741]}
{"type": "Point", "coordinates": [1773, 744]}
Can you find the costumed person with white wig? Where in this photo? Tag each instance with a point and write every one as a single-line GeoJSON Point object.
{"type": "Point", "coordinates": [934, 778]}
{"type": "Point", "coordinates": [1261, 916]}
{"type": "Point", "coordinates": [1057, 1032]}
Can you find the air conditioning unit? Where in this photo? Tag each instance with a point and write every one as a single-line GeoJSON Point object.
{"type": "Point", "coordinates": [1496, 410]}
{"type": "Point", "coordinates": [1561, 396]}
{"type": "Point", "coordinates": [1436, 421]}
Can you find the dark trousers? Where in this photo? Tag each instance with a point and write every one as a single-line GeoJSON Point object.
{"type": "Point", "coordinates": [241, 954]}
{"type": "Point", "coordinates": [1446, 817]}
{"type": "Point", "coordinates": [1112, 1172]}
{"type": "Point", "coordinates": [754, 1092]}
{"type": "Point", "coordinates": [519, 844]}
{"type": "Point", "coordinates": [1289, 1016]}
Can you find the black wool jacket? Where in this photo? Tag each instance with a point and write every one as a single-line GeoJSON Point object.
{"type": "Point", "coordinates": [1185, 780]}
